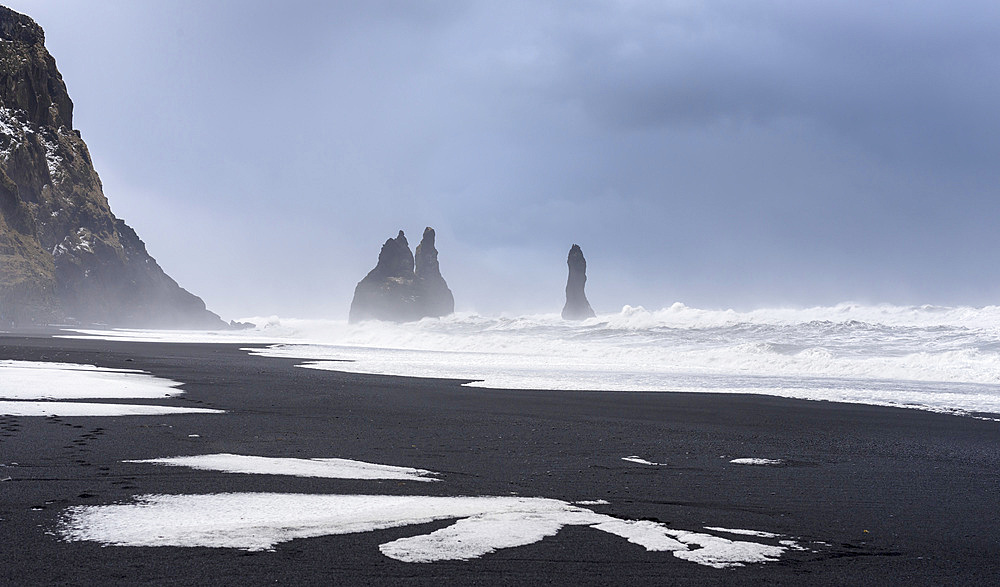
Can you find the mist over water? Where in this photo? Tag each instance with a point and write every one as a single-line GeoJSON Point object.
{"type": "Point", "coordinates": [928, 357]}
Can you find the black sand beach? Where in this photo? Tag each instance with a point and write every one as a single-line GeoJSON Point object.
{"type": "Point", "coordinates": [880, 495]}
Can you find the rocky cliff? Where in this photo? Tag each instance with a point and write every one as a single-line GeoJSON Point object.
{"type": "Point", "coordinates": [577, 307]}
{"type": "Point", "coordinates": [63, 253]}
{"type": "Point", "coordinates": [401, 287]}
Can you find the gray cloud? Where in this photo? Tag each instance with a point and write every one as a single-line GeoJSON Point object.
{"type": "Point", "coordinates": [723, 153]}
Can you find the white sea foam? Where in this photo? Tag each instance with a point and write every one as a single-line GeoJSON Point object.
{"type": "Point", "coordinates": [21, 381]}
{"type": "Point", "coordinates": [329, 468]}
{"type": "Point", "coordinates": [262, 335]}
{"type": "Point", "coordinates": [259, 521]}
{"type": "Point", "coordinates": [934, 358]}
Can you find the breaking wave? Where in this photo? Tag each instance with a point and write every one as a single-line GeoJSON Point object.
{"type": "Point", "coordinates": [929, 357]}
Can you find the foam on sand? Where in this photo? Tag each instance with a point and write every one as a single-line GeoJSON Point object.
{"type": "Point", "coordinates": [923, 357]}
{"type": "Point", "coordinates": [23, 381]}
{"type": "Point", "coordinates": [328, 468]}
{"type": "Point", "coordinates": [938, 359]}
{"type": "Point", "coordinates": [259, 521]}
{"type": "Point", "coordinates": [179, 336]}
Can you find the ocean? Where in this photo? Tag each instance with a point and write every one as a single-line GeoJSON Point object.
{"type": "Point", "coordinates": [944, 359]}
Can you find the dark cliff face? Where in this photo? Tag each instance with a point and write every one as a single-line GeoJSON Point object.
{"type": "Point", "coordinates": [63, 253]}
{"type": "Point", "coordinates": [402, 288]}
{"type": "Point", "coordinates": [577, 307]}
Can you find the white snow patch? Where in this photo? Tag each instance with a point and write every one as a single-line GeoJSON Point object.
{"type": "Point", "coordinates": [11, 126]}
{"type": "Point", "coordinates": [8, 123]}
{"type": "Point", "coordinates": [21, 381]}
{"type": "Point", "coordinates": [640, 460]}
{"type": "Point", "coordinates": [328, 468]}
{"type": "Point", "coordinates": [753, 461]}
{"type": "Point", "coordinates": [53, 160]}
{"type": "Point", "coordinates": [480, 534]}
{"type": "Point", "coordinates": [63, 381]}
{"type": "Point", "coordinates": [30, 408]}
{"type": "Point", "coordinates": [592, 502]}
{"type": "Point", "coordinates": [721, 552]}
{"type": "Point", "coordinates": [652, 536]}
{"type": "Point", "coordinates": [84, 243]}
{"type": "Point", "coordinates": [259, 521]}
{"type": "Point", "coordinates": [756, 533]}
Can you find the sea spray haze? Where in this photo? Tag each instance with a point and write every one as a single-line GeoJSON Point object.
{"type": "Point", "coordinates": [935, 358]}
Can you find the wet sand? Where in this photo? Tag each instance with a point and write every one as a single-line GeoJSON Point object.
{"type": "Point", "coordinates": [880, 495]}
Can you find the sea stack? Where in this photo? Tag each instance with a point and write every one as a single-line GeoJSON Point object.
{"type": "Point", "coordinates": [433, 289]}
{"type": "Point", "coordinates": [577, 307]}
{"type": "Point", "coordinates": [64, 256]}
{"type": "Point", "coordinates": [402, 288]}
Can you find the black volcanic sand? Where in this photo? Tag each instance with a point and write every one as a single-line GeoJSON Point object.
{"type": "Point", "coordinates": [898, 496]}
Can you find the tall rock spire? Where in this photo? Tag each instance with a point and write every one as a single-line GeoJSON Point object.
{"type": "Point", "coordinates": [63, 253]}
{"type": "Point", "coordinates": [397, 292]}
{"type": "Point", "coordinates": [433, 290]}
{"type": "Point", "coordinates": [577, 307]}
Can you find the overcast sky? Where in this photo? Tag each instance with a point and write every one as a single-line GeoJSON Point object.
{"type": "Point", "coordinates": [722, 154]}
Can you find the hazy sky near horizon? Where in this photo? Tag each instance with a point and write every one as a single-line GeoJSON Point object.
{"type": "Point", "coordinates": [723, 154]}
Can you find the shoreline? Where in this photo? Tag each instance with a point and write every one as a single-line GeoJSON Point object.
{"type": "Point", "coordinates": [894, 493]}
{"type": "Point", "coordinates": [265, 348]}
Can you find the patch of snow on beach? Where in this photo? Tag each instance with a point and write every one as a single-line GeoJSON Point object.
{"type": "Point", "coordinates": [757, 533]}
{"type": "Point", "coordinates": [259, 521]}
{"type": "Point", "coordinates": [64, 381]}
{"type": "Point", "coordinates": [755, 461]}
{"type": "Point", "coordinates": [21, 381]}
{"type": "Point", "coordinates": [30, 408]}
{"type": "Point", "coordinates": [789, 544]}
{"type": "Point", "coordinates": [487, 532]}
{"type": "Point", "coordinates": [652, 536]}
{"type": "Point", "coordinates": [640, 460]}
{"type": "Point", "coordinates": [329, 468]}
{"type": "Point", "coordinates": [714, 551]}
